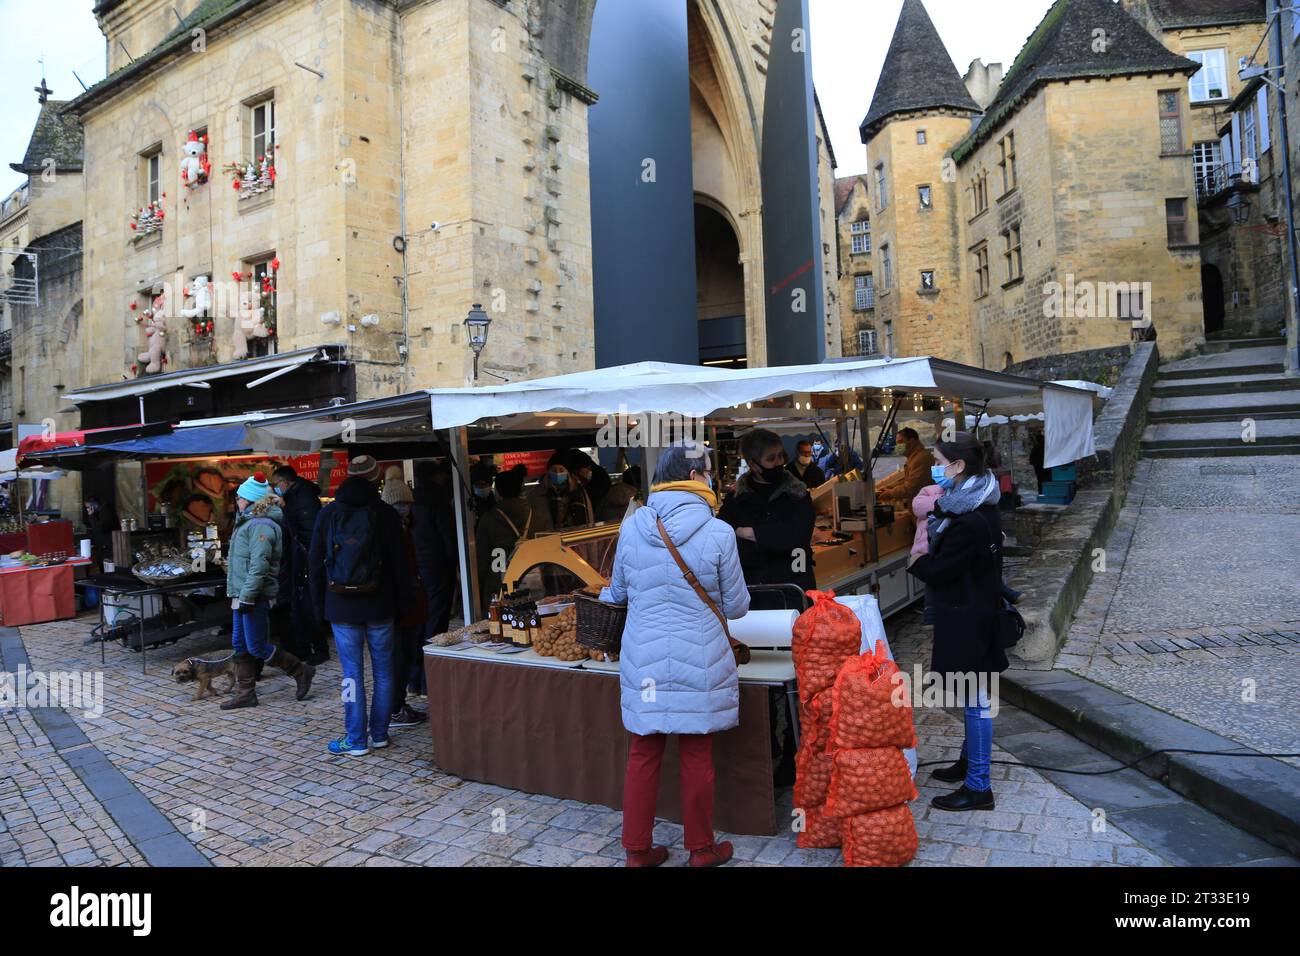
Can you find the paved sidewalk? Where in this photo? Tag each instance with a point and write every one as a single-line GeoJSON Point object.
{"type": "Point", "coordinates": [255, 787]}
{"type": "Point", "coordinates": [1196, 612]}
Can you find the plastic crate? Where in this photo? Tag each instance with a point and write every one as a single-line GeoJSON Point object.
{"type": "Point", "coordinates": [1065, 473]}
{"type": "Point", "coordinates": [1059, 489]}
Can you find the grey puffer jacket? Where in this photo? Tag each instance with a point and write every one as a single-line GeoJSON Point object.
{"type": "Point", "coordinates": [677, 670]}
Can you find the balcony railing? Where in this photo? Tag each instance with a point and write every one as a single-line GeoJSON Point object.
{"type": "Point", "coordinates": [1210, 182]}
{"type": "Point", "coordinates": [6, 343]}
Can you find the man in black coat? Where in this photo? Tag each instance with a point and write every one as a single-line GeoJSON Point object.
{"type": "Point", "coordinates": [433, 532]}
{"type": "Point", "coordinates": [302, 632]}
{"type": "Point", "coordinates": [773, 515]}
{"type": "Point", "coordinates": [804, 467]}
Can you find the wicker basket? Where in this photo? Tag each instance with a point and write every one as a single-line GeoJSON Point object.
{"type": "Point", "coordinates": [600, 625]}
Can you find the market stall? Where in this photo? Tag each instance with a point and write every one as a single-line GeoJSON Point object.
{"type": "Point", "coordinates": [548, 722]}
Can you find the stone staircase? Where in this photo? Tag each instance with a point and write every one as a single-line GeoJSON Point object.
{"type": "Point", "coordinates": [1214, 404]}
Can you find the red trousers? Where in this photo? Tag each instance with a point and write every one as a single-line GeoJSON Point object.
{"type": "Point", "coordinates": [641, 789]}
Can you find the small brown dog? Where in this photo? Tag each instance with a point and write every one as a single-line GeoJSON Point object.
{"type": "Point", "coordinates": [204, 673]}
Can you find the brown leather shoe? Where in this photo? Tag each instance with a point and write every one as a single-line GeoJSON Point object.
{"type": "Point", "coordinates": [245, 683]}
{"type": "Point", "coordinates": [654, 856]}
{"type": "Point", "coordinates": [715, 855]}
{"type": "Point", "coordinates": [300, 671]}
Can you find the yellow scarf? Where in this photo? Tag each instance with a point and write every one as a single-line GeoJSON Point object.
{"type": "Point", "coordinates": [693, 487]}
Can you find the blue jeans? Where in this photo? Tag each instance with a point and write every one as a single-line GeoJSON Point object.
{"type": "Point", "coordinates": [249, 631]}
{"type": "Point", "coordinates": [351, 640]}
{"type": "Point", "coordinates": [977, 748]}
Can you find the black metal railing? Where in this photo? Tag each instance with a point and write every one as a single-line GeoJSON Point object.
{"type": "Point", "coordinates": [1217, 179]}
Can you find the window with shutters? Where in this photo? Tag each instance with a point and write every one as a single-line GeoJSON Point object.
{"type": "Point", "coordinates": [1261, 106]}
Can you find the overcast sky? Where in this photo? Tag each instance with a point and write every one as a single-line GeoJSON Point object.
{"type": "Point", "coordinates": [849, 40]}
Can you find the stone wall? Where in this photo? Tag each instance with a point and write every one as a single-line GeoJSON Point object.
{"type": "Point", "coordinates": [1103, 366]}
{"type": "Point", "coordinates": [1057, 575]}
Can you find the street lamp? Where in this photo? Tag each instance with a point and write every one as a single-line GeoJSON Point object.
{"type": "Point", "coordinates": [476, 328]}
{"type": "Point", "coordinates": [1240, 207]}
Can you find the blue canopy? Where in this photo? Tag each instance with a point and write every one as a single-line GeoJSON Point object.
{"type": "Point", "coordinates": [201, 440]}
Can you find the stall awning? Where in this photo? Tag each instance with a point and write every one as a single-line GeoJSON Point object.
{"type": "Point", "coordinates": [690, 390]}
{"type": "Point", "coordinates": [265, 365]}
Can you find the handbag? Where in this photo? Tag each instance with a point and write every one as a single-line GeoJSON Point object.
{"type": "Point", "coordinates": [1008, 624]}
{"type": "Point", "coordinates": [740, 650]}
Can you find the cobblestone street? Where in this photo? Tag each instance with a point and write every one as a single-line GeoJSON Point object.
{"type": "Point", "coordinates": [1196, 610]}
{"type": "Point", "coordinates": [255, 787]}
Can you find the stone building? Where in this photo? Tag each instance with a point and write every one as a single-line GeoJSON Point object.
{"type": "Point", "coordinates": [1238, 177]}
{"type": "Point", "coordinates": [1282, 36]}
{"type": "Point", "coordinates": [14, 236]}
{"type": "Point", "coordinates": [381, 118]}
{"type": "Point", "coordinates": [1042, 224]}
{"type": "Point", "coordinates": [857, 292]}
{"type": "Point", "coordinates": [45, 340]}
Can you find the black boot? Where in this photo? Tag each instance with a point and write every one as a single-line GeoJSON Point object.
{"type": "Point", "coordinates": [258, 664]}
{"type": "Point", "coordinates": [245, 683]}
{"type": "Point", "coordinates": [964, 799]}
{"type": "Point", "coordinates": [952, 773]}
{"type": "Point", "coordinates": [300, 671]}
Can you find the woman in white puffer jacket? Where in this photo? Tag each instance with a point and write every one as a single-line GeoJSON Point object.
{"type": "Point", "coordinates": [677, 669]}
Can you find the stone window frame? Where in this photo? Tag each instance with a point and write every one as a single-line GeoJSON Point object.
{"type": "Point", "coordinates": [1007, 162]}
{"type": "Point", "coordinates": [260, 348]}
{"type": "Point", "coordinates": [864, 292]}
{"type": "Point", "coordinates": [868, 342]}
{"type": "Point", "coordinates": [1013, 255]}
{"type": "Point", "coordinates": [261, 101]}
{"type": "Point", "coordinates": [921, 139]}
{"type": "Point", "coordinates": [925, 197]}
{"type": "Point", "coordinates": [979, 191]}
{"type": "Point", "coordinates": [882, 188]}
{"type": "Point", "coordinates": [933, 287]}
{"type": "Point", "coordinates": [983, 285]}
{"type": "Point", "coordinates": [886, 268]}
{"type": "Point", "coordinates": [860, 236]}
{"type": "Point", "coordinates": [151, 173]}
{"type": "Point", "coordinates": [1181, 238]}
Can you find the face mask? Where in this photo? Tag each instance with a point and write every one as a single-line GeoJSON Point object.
{"type": "Point", "coordinates": [559, 480]}
{"type": "Point", "coordinates": [818, 448]}
{"type": "Point", "coordinates": [940, 479]}
{"type": "Point", "coordinates": [482, 492]}
{"type": "Point", "coordinates": [707, 479]}
{"type": "Point", "coordinates": [772, 475]}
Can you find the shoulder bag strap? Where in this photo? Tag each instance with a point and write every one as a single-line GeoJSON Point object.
{"type": "Point", "coordinates": [506, 518]}
{"type": "Point", "coordinates": [693, 581]}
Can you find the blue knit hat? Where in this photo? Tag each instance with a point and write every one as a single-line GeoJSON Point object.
{"type": "Point", "coordinates": [254, 488]}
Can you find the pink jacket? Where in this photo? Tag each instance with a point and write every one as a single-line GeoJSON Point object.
{"type": "Point", "coordinates": [922, 505]}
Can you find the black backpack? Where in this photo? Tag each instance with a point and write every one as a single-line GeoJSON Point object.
{"type": "Point", "coordinates": [352, 559]}
{"type": "Point", "coordinates": [1009, 625]}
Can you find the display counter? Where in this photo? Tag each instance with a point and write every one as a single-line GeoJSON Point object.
{"type": "Point", "coordinates": [544, 726]}
{"type": "Point", "coordinates": [34, 595]}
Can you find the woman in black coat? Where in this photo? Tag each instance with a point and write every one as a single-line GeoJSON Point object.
{"type": "Point", "coordinates": [963, 578]}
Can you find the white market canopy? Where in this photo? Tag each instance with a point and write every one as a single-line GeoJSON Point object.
{"type": "Point", "coordinates": [699, 392]}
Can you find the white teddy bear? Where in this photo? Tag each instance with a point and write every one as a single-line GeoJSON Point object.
{"type": "Point", "coordinates": [194, 164]}
{"type": "Point", "coordinates": [201, 291]}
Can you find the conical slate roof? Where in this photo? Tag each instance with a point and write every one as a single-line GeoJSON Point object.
{"type": "Point", "coordinates": [918, 73]}
{"type": "Point", "coordinates": [55, 137]}
{"type": "Point", "coordinates": [1069, 44]}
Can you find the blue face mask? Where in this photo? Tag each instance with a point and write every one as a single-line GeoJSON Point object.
{"type": "Point", "coordinates": [818, 448]}
{"type": "Point", "coordinates": [482, 492]}
{"type": "Point", "coordinates": [559, 481]}
{"type": "Point", "coordinates": [940, 479]}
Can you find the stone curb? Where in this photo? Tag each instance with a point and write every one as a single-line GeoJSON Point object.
{"type": "Point", "coordinates": [1258, 795]}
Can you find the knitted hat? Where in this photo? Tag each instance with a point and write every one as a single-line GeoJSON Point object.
{"type": "Point", "coordinates": [254, 488]}
{"type": "Point", "coordinates": [363, 466]}
{"type": "Point", "coordinates": [510, 484]}
{"type": "Point", "coordinates": [396, 491]}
